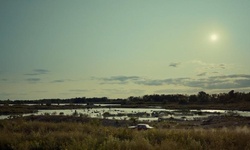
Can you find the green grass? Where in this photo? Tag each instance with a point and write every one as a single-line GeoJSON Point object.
{"type": "Point", "coordinates": [21, 134]}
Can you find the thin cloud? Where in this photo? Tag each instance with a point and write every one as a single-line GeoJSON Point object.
{"type": "Point", "coordinates": [222, 66]}
{"type": "Point", "coordinates": [210, 66]}
{"type": "Point", "coordinates": [120, 79]}
{"type": "Point", "coordinates": [61, 80]}
{"type": "Point", "coordinates": [212, 82]}
{"type": "Point", "coordinates": [173, 81]}
{"type": "Point", "coordinates": [174, 64]}
{"type": "Point", "coordinates": [202, 74]}
{"type": "Point", "coordinates": [58, 81]}
{"type": "Point", "coordinates": [151, 82]}
{"type": "Point", "coordinates": [4, 79]}
{"type": "Point", "coordinates": [42, 71]}
{"type": "Point", "coordinates": [36, 72]}
{"type": "Point", "coordinates": [234, 76]}
{"type": "Point", "coordinates": [219, 82]}
{"type": "Point", "coordinates": [243, 82]}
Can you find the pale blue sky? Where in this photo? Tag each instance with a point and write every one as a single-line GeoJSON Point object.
{"type": "Point", "coordinates": [117, 49]}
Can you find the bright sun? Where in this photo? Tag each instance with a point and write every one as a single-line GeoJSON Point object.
{"type": "Point", "coordinates": [214, 37]}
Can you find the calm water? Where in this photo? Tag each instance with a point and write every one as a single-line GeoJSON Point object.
{"type": "Point", "coordinates": [149, 114]}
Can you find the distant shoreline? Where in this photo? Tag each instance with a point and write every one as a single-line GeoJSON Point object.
{"type": "Point", "coordinates": [23, 108]}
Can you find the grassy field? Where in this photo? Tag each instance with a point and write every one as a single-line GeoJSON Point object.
{"type": "Point", "coordinates": [26, 134]}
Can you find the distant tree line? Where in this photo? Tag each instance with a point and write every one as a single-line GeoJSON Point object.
{"type": "Point", "coordinates": [77, 100]}
{"type": "Point", "coordinates": [199, 98]}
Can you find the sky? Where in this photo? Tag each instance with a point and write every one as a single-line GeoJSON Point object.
{"type": "Point", "coordinates": [121, 48]}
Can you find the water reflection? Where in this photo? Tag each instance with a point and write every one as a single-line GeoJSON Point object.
{"type": "Point", "coordinates": [142, 114]}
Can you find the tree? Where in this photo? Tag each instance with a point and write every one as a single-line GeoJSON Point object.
{"type": "Point", "coordinates": [193, 98]}
{"type": "Point", "coordinates": [203, 96]}
{"type": "Point", "coordinates": [231, 93]}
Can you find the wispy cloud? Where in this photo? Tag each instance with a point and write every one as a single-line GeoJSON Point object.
{"type": "Point", "coordinates": [220, 82]}
{"type": "Point", "coordinates": [206, 66]}
{"type": "Point", "coordinates": [33, 80]}
{"type": "Point", "coordinates": [202, 74]}
{"type": "Point", "coordinates": [61, 80]}
{"type": "Point", "coordinates": [173, 81]}
{"type": "Point", "coordinates": [174, 64]}
{"type": "Point", "coordinates": [58, 81]}
{"type": "Point", "coordinates": [119, 79]}
{"type": "Point", "coordinates": [212, 82]}
{"type": "Point", "coordinates": [222, 66]}
{"type": "Point", "coordinates": [4, 79]}
{"type": "Point", "coordinates": [36, 72]}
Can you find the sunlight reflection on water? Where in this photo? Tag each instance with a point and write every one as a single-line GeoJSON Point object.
{"type": "Point", "coordinates": [142, 114]}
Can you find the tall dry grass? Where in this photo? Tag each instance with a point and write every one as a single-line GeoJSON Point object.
{"type": "Point", "coordinates": [20, 134]}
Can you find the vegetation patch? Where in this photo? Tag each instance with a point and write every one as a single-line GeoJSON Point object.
{"type": "Point", "coordinates": [23, 133]}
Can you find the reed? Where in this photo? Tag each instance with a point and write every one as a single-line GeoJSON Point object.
{"type": "Point", "coordinates": [22, 134]}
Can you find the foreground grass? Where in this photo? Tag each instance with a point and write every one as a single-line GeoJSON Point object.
{"type": "Point", "coordinates": [21, 134]}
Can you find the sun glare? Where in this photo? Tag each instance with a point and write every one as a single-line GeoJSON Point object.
{"type": "Point", "coordinates": [213, 37]}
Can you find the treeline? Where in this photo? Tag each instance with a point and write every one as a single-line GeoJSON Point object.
{"type": "Point", "coordinates": [199, 98]}
{"type": "Point", "coordinates": [77, 100]}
